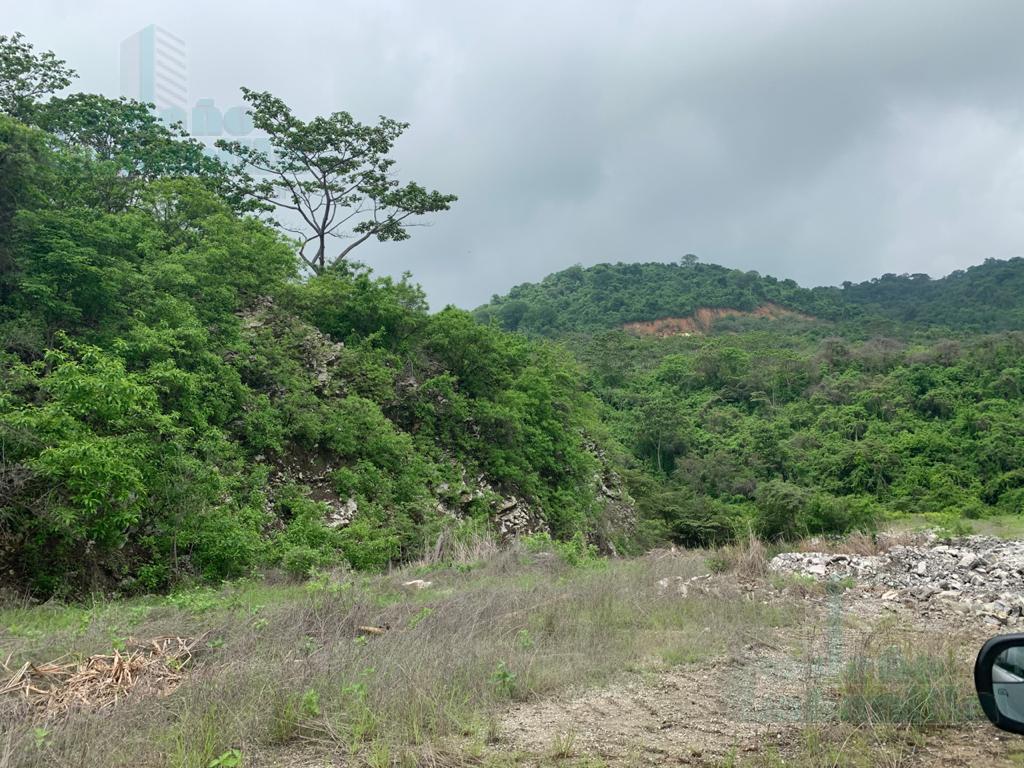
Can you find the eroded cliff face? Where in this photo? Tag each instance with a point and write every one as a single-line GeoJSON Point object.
{"type": "Point", "coordinates": [704, 318]}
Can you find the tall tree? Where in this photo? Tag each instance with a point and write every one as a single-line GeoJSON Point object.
{"type": "Point", "coordinates": [129, 139]}
{"type": "Point", "coordinates": [333, 174]}
{"type": "Point", "coordinates": [27, 76]}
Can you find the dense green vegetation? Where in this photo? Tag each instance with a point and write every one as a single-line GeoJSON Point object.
{"type": "Point", "coordinates": [988, 297]}
{"type": "Point", "coordinates": [888, 402]}
{"type": "Point", "coordinates": [180, 401]}
{"type": "Point", "coordinates": [792, 435]}
{"type": "Point", "coordinates": [177, 401]}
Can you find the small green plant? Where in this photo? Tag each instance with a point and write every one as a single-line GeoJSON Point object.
{"type": "Point", "coordinates": [363, 724]}
{"type": "Point", "coordinates": [379, 755]}
{"type": "Point", "coordinates": [504, 680]}
{"type": "Point", "coordinates": [198, 600]}
{"type": "Point", "coordinates": [230, 759]}
{"type": "Point", "coordinates": [838, 586]}
{"type": "Point", "coordinates": [563, 746]}
{"type": "Point", "coordinates": [717, 563]}
{"type": "Point", "coordinates": [324, 582]}
{"type": "Point", "coordinates": [310, 703]}
{"type": "Point", "coordinates": [524, 640]}
{"type": "Point", "coordinates": [40, 737]}
{"type": "Point", "coordinates": [423, 613]}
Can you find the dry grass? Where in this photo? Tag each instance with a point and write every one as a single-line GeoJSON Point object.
{"type": "Point", "coordinates": [454, 550]}
{"type": "Point", "coordinates": [862, 543]}
{"type": "Point", "coordinates": [288, 665]}
{"type": "Point", "coordinates": [101, 681]}
{"type": "Point", "coordinates": [747, 558]}
{"type": "Point", "coordinates": [918, 679]}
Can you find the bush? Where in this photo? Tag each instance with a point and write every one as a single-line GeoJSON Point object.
{"type": "Point", "coordinates": [300, 560]}
{"type": "Point", "coordinates": [781, 511]}
{"type": "Point", "coordinates": [787, 512]}
{"type": "Point", "coordinates": [575, 552]}
{"type": "Point", "coordinates": [369, 546]}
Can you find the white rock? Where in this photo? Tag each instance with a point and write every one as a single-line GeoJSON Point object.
{"type": "Point", "coordinates": [417, 584]}
{"type": "Point", "coordinates": [968, 561]}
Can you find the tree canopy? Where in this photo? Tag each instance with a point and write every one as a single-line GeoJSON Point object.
{"type": "Point", "coordinates": [331, 176]}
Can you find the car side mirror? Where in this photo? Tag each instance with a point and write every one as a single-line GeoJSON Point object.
{"type": "Point", "coordinates": [999, 680]}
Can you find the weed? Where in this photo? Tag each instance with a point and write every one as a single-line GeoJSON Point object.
{"type": "Point", "coordinates": [563, 746]}
{"type": "Point", "coordinates": [310, 703]}
{"type": "Point", "coordinates": [423, 613]}
{"type": "Point", "coordinates": [230, 759]}
{"type": "Point", "coordinates": [40, 737]}
{"type": "Point", "coordinates": [504, 680]}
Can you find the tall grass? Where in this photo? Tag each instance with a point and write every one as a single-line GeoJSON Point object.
{"type": "Point", "coordinates": [917, 680]}
{"type": "Point", "coordinates": [511, 627]}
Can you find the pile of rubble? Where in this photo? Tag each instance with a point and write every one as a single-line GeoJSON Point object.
{"type": "Point", "coordinates": [976, 574]}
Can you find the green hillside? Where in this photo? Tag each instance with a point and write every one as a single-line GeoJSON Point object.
{"type": "Point", "coordinates": [898, 396]}
{"type": "Point", "coordinates": [987, 297]}
{"type": "Point", "coordinates": [179, 402]}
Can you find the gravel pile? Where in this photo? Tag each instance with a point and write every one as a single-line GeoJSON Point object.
{"type": "Point", "coordinates": [977, 574]}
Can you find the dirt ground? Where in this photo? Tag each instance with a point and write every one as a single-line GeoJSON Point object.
{"type": "Point", "coordinates": [773, 705]}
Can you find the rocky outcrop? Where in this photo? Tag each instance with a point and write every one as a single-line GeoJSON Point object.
{"type": "Point", "coordinates": [318, 352]}
{"type": "Point", "coordinates": [514, 517]}
{"type": "Point", "coordinates": [977, 574]}
{"type": "Point", "coordinates": [618, 517]}
{"type": "Point", "coordinates": [511, 513]}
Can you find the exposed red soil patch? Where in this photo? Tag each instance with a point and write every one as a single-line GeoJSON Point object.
{"type": "Point", "coordinates": [704, 318]}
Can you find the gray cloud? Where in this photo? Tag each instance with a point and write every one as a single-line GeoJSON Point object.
{"type": "Point", "coordinates": [817, 140]}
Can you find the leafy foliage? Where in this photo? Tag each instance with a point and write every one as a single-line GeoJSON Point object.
{"type": "Point", "coordinates": [169, 381]}
{"type": "Point", "coordinates": [332, 176]}
{"type": "Point", "coordinates": [790, 435]}
{"type": "Point", "coordinates": [27, 76]}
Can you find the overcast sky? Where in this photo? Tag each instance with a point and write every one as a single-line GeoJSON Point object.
{"type": "Point", "coordinates": [823, 141]}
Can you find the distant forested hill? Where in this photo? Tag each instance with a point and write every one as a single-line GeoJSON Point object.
{"type": "Point", "coordinates": [988, 297]}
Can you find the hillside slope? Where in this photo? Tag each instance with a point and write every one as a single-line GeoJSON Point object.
{"type": "Point", "coordinates": [987, 297]}
{"type": "Point", "coordinates": [178, 402]}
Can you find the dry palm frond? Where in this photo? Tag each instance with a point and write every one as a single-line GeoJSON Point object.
{"type": "Point", "coordinates": [101, 681]}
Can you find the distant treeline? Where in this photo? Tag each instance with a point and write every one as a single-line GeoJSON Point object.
{"type": "Point", "coordinates": [987, 297]}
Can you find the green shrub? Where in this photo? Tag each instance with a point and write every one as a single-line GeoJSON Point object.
{"type": "Point", "coordinates": [575, 552]}
{"type": "Point", "coordinates": [369, 546]}
{"type": "Point", "coordinates": [300, 560]}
